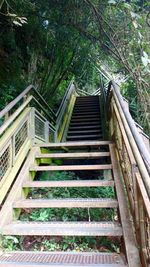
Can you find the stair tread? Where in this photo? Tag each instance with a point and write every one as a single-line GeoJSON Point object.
{"type": "Point", "coordinates": [74, 144]}
{"type": "Point", "coordinates": [67, 203]}
{"type": "Point", "coordinates": [85, 127]}
{"type": "Point", "coordinates": [71, 167]}
{"type": "Point", "coordinates": [84, 131]}
{"type": "Point", "coordinates": [86, 109]}
{"type": "Point", "coordinates": [75, 123]}
{"type": "Point", "coordinates": [63, 228]}
{"type": "Point", "coordinates": [85, 116]}
{"type": "Point", "coordinates": [84, 119]}
{"type": "Point", "coordinates": [69, 183]}
{"type": "Point", "coordinates": [74, 155]}
{"type": "Point", "coordinates": [86, 113]}
{"type": "Point", "coordinates": [76, 259]}
{"type": "Point", "coordinates": [85, 136]}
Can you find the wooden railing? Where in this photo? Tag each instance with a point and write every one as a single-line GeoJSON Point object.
{"type": "Point", "coordinates": [25, 121]}
{"type": "Point", "coordinates": [135, 162]}
{"type": "Point", "coordinates": [64, 112]}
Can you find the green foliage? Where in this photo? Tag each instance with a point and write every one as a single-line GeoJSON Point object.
{"type": "Point", "coordinates": [128, 90]}
{"type": "Point", "coordinates": [64, 214]}
{"type": "Point", "coordinates": [10, 243]}
{"type": "Point", "coordinates": [68, 243]}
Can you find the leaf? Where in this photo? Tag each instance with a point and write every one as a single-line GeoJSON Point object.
{"type": "Point", "coordinates": [11, 15]}
{"type": "Point", "coordinates": [13, 238]}
{"type": "Point", "coordinates": [133, 15]}
{"type": "Point", "coordinates": [112, 2]}
{"type": "Point", "coordinates": [17, 23]}
{"type": "Point", "coordinates": [135, 24]}
{"type": "Point", "coordinates": [145, 54]}
{"type": "Point", "coordinates": [140, 35]}
{"type": "Point", "coordinates": [145, 61]}
{"type": "Point", "coordinates": [126, 5]}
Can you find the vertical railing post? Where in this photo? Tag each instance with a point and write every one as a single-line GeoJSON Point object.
{"type": "Point", "coordinates": [46, 131]}
{"type": "Point", "coordinates": [32, 126]}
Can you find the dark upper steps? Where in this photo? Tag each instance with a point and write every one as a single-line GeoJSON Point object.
{"type": "Point", "coordinates": [86, 119]}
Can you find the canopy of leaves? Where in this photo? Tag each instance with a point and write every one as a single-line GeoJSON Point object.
{"type": "Point", "coordinates": [46, 43]}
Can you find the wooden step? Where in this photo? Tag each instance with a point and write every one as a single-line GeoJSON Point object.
{"type": "Point", "coordinates": [84, 131]}
{"type": "Point", "coordinates": [85, 119]}
{"type": "Point", "coordinates": [88, 127]}
{"type": "Point", "coordinates": [71, 167]}
{"type": "Point", "coordinates": [87, 137]}
{"type": "Point", "coordinates": [86, 113]}
{"type": "Point", "coordinates": [75, 144]}
{"type": "Point", "coordinates": [86, 102]}
{"type": "Point", "coordinates": [85, 116]}
{"type": "Point", "coordinates": [74, 155]}
{"type": "Point", "coordinates": [67, 203]}
{"type": "Point", "coordinates": [84, 123]}
{"type": "Point", "coordinates": [89, 110]}
{"type": "Point", "coordinates": [61, 259]}
{"type": "Point", "coordinates": [63, 229]}
{"type": "Point", "coordinates": [68, 183]}
{"type": "Point", "coordinates": [87, 106]}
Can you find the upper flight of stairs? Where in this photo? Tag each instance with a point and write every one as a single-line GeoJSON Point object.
{"type": "Point", "coordinates": [86, 123]}
{"type": "Point", "coordinates": [96, 164]}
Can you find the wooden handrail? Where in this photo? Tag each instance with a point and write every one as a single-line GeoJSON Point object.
{"type": "Point", "coordinates": [139, 149]}
{"type": "Point", "coordinates": [64, 98]}
{"type": "Point", "coordinates": [60, 113]}
{"type": "Point", "coordinates": [21, 96]}
{"type": "Point", "coordinates": [15, 115]}
{"type": "Point", "coordinates": [15, 101]}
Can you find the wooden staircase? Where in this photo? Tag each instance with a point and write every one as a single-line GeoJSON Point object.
{"type": "Point", "coordinates": [79, 154]}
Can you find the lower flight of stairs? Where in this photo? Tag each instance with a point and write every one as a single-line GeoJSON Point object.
{"type": "Point", "coordinates": [103, 152]}
{"type": "Point", "coordinates": [86, 121]}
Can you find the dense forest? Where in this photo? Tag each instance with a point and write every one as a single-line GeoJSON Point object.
{"type": "Point", "coordinates": [49, 42]}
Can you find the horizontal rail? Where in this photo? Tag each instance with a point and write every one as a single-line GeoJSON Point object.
{"type": "Point", "coordinates": [140, 144]}
{"type": "Point", "coordinates": [138, 147]}
{"type": "Point", "coordinates": [15, 115]}
{"type": "Point", "coordinates": [14, 102]}
{"type": "Point", "coordinates": [64, 98]}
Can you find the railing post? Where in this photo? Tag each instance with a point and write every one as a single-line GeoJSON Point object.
{"type": "Point", "coordinates": [46, 131]}
{"type": "Point", "coordinates": [32, 126]}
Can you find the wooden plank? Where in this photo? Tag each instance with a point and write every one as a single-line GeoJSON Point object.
{"type": "Point", "coordinates": [57, 259]}
{"type": "Point", "coordinates": [128, 231]}
{"type": "Point", "coordinates": [74, 155]}
{"type": "Point", "coordinates": [67, 203]}
{"type": "Point", "coordinates": [15, 264]}
{"type": "Point", "coordinates": [84, 136]}
{"type": "Point", "coordinates": [141, 187]}
{"type": "Point", "coordinates": [84, 131]}
{"type": "Point", "coordinates": [73, 120]}
{"type": "Point", "coordinates": [86, 128]}
{"type": "Point", "coordinates": [63, 229]}
{"type": "Point", "coordinates": [125, 139]}
{"type": "Point", "coordinates": [84, 123]}
{"type": "Point", "coordinates": [68, 183]}
{"type": "Point", "coordinates": [71, 167]}
{"type": "Point", "coordinates": [74, 144]}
